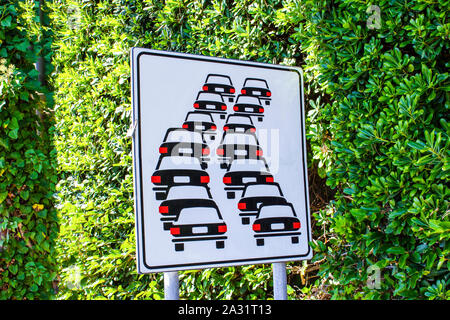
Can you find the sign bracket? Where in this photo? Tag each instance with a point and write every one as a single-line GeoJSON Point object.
{"type": "Point", "coordinates": [131, 131]}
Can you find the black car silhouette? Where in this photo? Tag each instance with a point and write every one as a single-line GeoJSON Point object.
{"type": "Point", "coordinates": [175, 171]}
{"type": "Point", "coordinates": [239, 123]}
{"type": "Point", "coordinates": [219, 83]}
{"type": "Point", "coordinates": [179, 197]}
{"type": "Point", "coordinates": [257, 88]}
{"type": "Point", "coordinates": [212, 102]}
{"type": "Point", "coordinates": [202, 222]}
{"type": "Point", "coordinates": [237, 145]}
{"type": "Point", "coordinates": [182, 142]}
{"type": "Point", "coordinates": [199, 121]}
{"type": "Point", "coordinates": [256, 195]}
{"type": "Point", "coordinates": [243, 171]}
{"type": "Point", "coordinates": [276, 220]}
{"type": "Point", "coordinates": [249, 105]}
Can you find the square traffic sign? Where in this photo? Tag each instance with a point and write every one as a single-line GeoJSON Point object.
{"type": "Point", "coordinates": [219, 160]}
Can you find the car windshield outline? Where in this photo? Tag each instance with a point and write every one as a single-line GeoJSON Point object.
{"type": "Point", "coordinates": [179, 163]}
{"type": "Point", "coordinates": [239, 138]}
{"type": "Point", "coordinates": [199, 114]}
{"type": "Point", "coordinates": [276, 211]}
{"type": "Point", "coordinates": [209, 97]}
{"type": "Point", "coordinates": [179, 192]}
{"type": "Point", "coordinates": [255, 83]}
{"type": "Point", "coordinates": [239, 165]}
{"type": "Point", "coordinates": [199, 215]}
{"type": "Point", "coordinates": [268, 190]}
{"type": "Point", "coordinates": [174, 135]}
{"type": "Point", "coordinates": [216, 77]}
{"type": "Point", "coordinates": [232, 119]}
{"type": "Point", "coordinates": [245, 99]}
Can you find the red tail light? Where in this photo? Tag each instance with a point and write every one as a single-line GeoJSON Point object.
{"type": "Point", "coordinates": [256, 227]}
{"type": "Point", "coordinates": [269, 179]}
{"type": "Point", "coordinates": [224, 107]}
{"type": "Point", "coordinates": [174, 231]}
{"type": "Point", "coordinates": [243, 91]}
{"type": "Point", "coordinates": [259, 152]}
{"type": "Point", "coordinates": [252, 129]}
{"type": "Point", "coordinates": [204, 179]}
{"type": "Point", "coordinates": [185, 126]}
{"type": "Point", "coordinates": [163, 209]}
{"type": "Point", "coordinates": [261, 110]}
{"type": "Point", "coordinates": [296, 225]}
{"type": "Point", "coordinates": [222, 228]}
{"type": "Point", "coordinates": [225, 128]}
{"type": "Point", "coordinates": [196, 105]}
{"type": "Point", "coordinates": [268, 93]}
{"type": "Point", "coordinates": [232, 90]}
{"type": "Point", "coordinates": [220, 152]}
{"type": "Point", "coordinates": [205, 88]}
{"type": "Point", "coordinates": [236, 108]}
{"type": "Point", "coordinates": [162, 150]}
{"type": "Point", "coordinates": [213, 127]}
{"type": "Point", "coordinates": [205, 151]}
{"type": "Point", "coordinates": [156, 179]}
{"type": "Point", "coordinates": [227, 180]}
{"type": "Point", "coordinates": [242, 206]}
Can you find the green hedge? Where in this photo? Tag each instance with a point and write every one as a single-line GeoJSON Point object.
{"type": "Point", "coordinates": [28, 220]}
{"type": "Point", "coordinates": [93, 107]}
{"type": "Point", "coordinates": [381, 134]}
{"type": "Point", "coordinates": [378, 104]}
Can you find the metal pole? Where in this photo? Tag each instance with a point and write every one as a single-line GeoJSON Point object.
{"type": "Point", "coordinates": [40, 63]}
{"type": "Point", "coordinates": [279, 281]}
{"type": "Point", "coordinates": [171, 286]}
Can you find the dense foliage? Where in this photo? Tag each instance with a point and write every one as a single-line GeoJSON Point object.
{"type": "Point", "coordinates": [28, 220]}
{"type": "Point", "coordinates": [93, 114]}
{"type": "Point", "coordinates": [378, 99]}
{"type": "Point", "coordinates": [382, 134]}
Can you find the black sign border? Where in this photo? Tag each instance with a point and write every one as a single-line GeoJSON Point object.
{"type": "Point", "coordinates": [202, 265]}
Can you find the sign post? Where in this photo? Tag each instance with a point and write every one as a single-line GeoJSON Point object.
{"type": "Point", "coordinates": [171, 285]}
{"type": "Point", "coordinates": [279, 281]}
{"type": "Point", "coordinates": [219, 163]}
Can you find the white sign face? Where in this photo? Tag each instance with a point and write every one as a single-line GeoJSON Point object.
{"type": "Point", "coordinates": [219, 158]}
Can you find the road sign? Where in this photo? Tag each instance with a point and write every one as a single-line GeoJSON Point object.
{"type": "Point", "coordinates": [219, 160]}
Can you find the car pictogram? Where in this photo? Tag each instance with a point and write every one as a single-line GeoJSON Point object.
{"type": "Point", "coordinates": [212, 102]}
{"type": "Point", "coordinates": [239, 123]}
{"type": "Point", "coordinates": [250, 105]}
{"type": "Point", "coordinates": [238, 145]}
{"type": "Point", "coordinates": [243, 171]}
{"type": "Point", "coordinates": [257, 88]}
{"type": "Point", "coordinates": [200, 121]}
{"type": "Point", "coordinates": [182, 142]}
{"type": "Point", "coordinates": [277, 220]}
{"type": "Point", "coordinates": [256, 195]}
{"type": "Point", "coordinates": [179, 197]}
{"type": "Point", "coordinates": [199, 223]}
{"type": "Point", "coordinates": [219, 83]}
{"type": "Point", "coordinates": [176, 170]}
